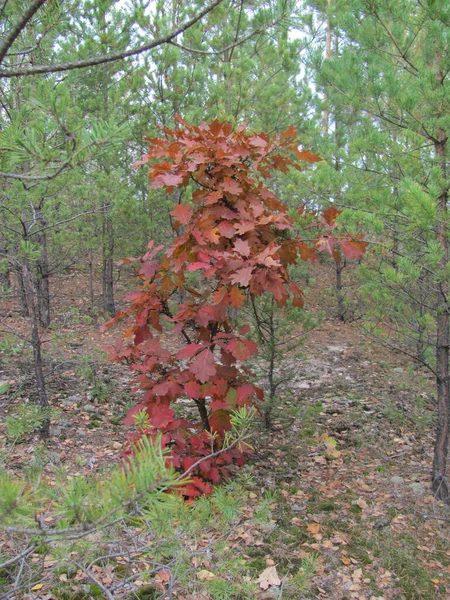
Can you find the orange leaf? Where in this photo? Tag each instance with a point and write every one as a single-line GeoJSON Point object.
{"type": "Point", "coordinates": [308, 156]}
{"type": "Point", "coordinates": [313, 528]}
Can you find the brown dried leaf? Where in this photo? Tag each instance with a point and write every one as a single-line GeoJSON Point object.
{"type": "Point", "coordinates": [205, 575]}
{"type": "Point", "coordinates": [268, 577]}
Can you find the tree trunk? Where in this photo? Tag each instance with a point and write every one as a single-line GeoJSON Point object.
{"type": "Point", "coordinates": [201, 405]}
{"type": "Point", "coordinates": [107, 275]}
{"type": "Point", "coordinates": [326, 112]}
{"type": "Point", "coordinates": [440, 482]}
{"type": "Point", "coordinates": [36, 345]}
{"type": "Point", "coordinates": [21, 292]}
{"type": "Point", "coordinates": [91, 279]}
{"type": "Point", "coordinates": [5, 274]}
{"type": "Point", "coordinates": [341, 310]}
{"type": "Point", "coordinates": [43, 282]}
{"type": "Point", "coordinates": [272, 343]}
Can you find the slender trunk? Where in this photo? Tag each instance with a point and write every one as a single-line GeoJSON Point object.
{"type": "Point", "coordinates": [340, 295]}
{"type": "Point", "coordinates": [201, 405]}
{"type": "Point", "coordinates": [105, 80]}
{"type": "Point", "coordinates": [326, 112]}
{"type": "Point", "coordinates": [270, 402]}
{"type": "Point", "coordinates": [21, 292]}
{"type": "Point", "coordinates": [36, 345]}
{"type": "Point", "coordinates": [421, 334]}
{"type": "Point", "coordinates": [107, 275]}
{"type": "Point", "coordinates": [396, 237]}
{"type": "Point", "coordinates": [5, 274]}
{"type": "Point", "coordinates": [439, 482]}
{"type": "Point", "coordinates": [43, 282]}
{"type": "Point", "coordinates": [339, 264]}
{"type": "Point", "coordinates": [91, 279]}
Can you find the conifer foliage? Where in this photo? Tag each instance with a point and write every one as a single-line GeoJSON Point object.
{"type": "Point", "coordinates": [239, 238]}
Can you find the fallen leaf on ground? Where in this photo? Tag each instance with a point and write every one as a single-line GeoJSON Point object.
{"type": "Point", "coordinates": [268, 577]}
{"type": "Point", "coordinates": [313, 528]}
{"type": "Point", "coordinates": [205, 575]}
{"type": "Point", "coordinates": [163, 576]}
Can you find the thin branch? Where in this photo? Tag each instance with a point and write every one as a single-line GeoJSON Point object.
{"type": "Point", "coordinates": [88, 212]}
{"type": "Point", "coordinates": [96, 581]}
{"type": "Point", "coordinates": [415, 357]}
{"type": "Point", "coordinates": [241, 9]}
{"type": "Point", "coordinates": [14, 559]}
{"type": "Point", "coordinates": [14, 332]}
{"type": "Point", "coordinates": [222, 50]}
{"type": "Point", "coordinates": [19, 26]}
{"type": "Point", "coordinates": [66, 163]}
{"type": "Point", "coordinates": [2, 7]}
{"type": "Point", "coordinates": [394, 41]}
{"type": "Point", "coordinates": [107, 58]}
{"type": "Point", "coordinates": [23, 52]}
{"type": "Point", "coordinates": [23, 177]}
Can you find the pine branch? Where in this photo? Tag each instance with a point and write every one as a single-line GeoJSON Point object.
{"type": "Point", "coordinates": [237, 42]}
{"type": "Point", "coordinates": [105, 58]}
{"type": "Point", "coordinates": [19, 27]}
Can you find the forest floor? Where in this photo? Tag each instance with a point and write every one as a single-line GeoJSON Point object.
{"type": "Point", "coordinates": [335, 503]}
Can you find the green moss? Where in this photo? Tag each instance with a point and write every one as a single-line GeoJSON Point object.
{"type": "Point", "coordinates": [355, 509]}
{"type": "Point", "coordinates": [68, 570]}
{"type": "Point", "coordinates": [95, 591]}
{"type": "Point", "coordinates": [42, 549]}
{"type": "Point", "coordinates": [147, 592]}
{"type": "Point", "coordinates": [306, 433]}
{"type": "Point", "coordinates": [64, 591]}
{"type": "Point", "coordinates": [326, 506]}
{"type": "Point", "coordinates": [259, 564]}
{"type": "Point", "coordinates": [121, 570]}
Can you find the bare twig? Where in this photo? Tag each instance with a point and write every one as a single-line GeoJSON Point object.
{"type": "Point", "coordinates": [96, 581]}
{"type": "Point", "coordinates": [15, 559]}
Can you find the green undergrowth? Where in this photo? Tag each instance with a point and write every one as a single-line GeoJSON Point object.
{"type": "Point", "coordinates": [185, 539]}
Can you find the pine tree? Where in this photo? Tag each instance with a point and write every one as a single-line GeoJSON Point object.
{"type": "Point", "coordinates": [391, 77]}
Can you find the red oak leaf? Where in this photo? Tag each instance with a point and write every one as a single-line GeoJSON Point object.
{"type": "Point", "coordinates": [149, 269]}
{"type": "Point", "coordinates": [161, 415]}
{"type": "Point", "coordinates": [205, 315]}
{"type": "Point", "coordinates": [353, 248]}
{"type": "Point", "coordinates": [244, 392]}
{"type": "Point", "coordinates": [193, 389]}
{"type": "Point", "coordinates": [190, 351]}
{"type": "Point", "coordinates": [220, 421]}
{"type": "Point", "coordinates": [330, 214]}
{"type": "Point", "coordinates": [226, 229]}
{"type": "Point", "coordinates": [244, 226]}
{"type": "Point", "coordinates": [327, 243]}
{"type": "Point", "coordinates": [237, 297]}
{"type": "Point", "coordinates": [213, 197]}
{"type": "Point", "coordinates": [242, 349]}
{"type": "Point", "coordinates": [203, 366]}
{"type": "Point", "coordinates": [182, 213]}
{"type": "Point", "coordinates": [166, 179]}
{"type": "Point", "coordinates": [242, 247]}
{"type": "Point", "coordinates": [213, 475]}
{"type": "Point", "coordinates": [242, 276]}
{"type": "Point", "coordinates": [129, 419]}
{"type": "Point", "coordinates": [198, 265]}
{"type": "Point", "coordinates": [308, 156]}
{"type": "Point", "coordinates": [232, 186]}
{"type": "Point", "coordinates": [258, 141]}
